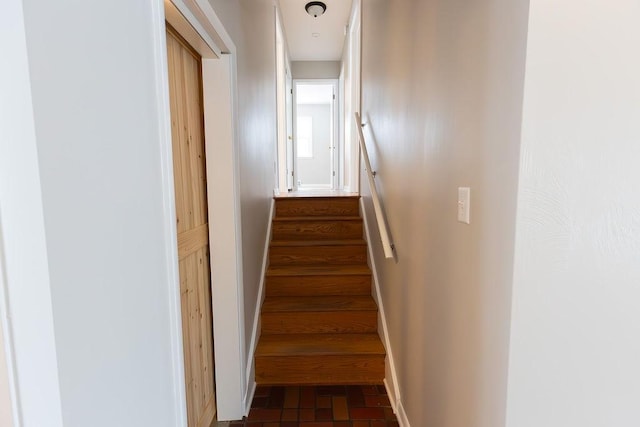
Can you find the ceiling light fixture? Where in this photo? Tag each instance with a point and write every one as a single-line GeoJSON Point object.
{"type": "Point", "coordinates": [315, 8]}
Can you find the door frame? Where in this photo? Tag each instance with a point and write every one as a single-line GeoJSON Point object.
{"type": "Point", "coordinates": [289, 123]}
{"type": "Point", "coordinates": [335, 131]}
{"type": "Point", "coordinates": [284, 97]}
{"type": "Point", "coordinates": [351, 78]}
{"type": "Point", "coordinates": [219, 100]}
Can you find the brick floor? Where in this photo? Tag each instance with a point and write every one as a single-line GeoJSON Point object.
{"type": "Point", "coordinates": [319, 406]}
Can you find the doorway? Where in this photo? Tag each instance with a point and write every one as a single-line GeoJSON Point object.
{"type": "Point", "coordinates": [187, 131]}
{"type": "Point", "coordinates": [315, 128]}
{"type": "Point", "coordinates": [197, 23]}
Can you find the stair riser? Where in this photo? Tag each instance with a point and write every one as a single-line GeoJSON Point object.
{"type": "Point", "coordinates": [319, 255]}
{"type": "Point", "coordinates": [317, 230]}
{"type": "Point", "coordinates": [347, 369]}
{"type": "Point", "coordinates": [318, 285]}
{"type": "Point", "coordinates": [319, 322]}
{"type": "Point", "coordinates": [317, 207]}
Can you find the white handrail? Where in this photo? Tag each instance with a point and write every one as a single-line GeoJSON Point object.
{"type": "Point", "coordinates": [387, 246]}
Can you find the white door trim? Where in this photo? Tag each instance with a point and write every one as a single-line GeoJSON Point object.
{"type": "Point", "coordinates": [352, 77]}
{"type": "Point", "coordinates": [219, 87]}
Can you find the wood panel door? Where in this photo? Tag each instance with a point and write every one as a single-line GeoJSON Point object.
{"type": "Point", "coordinates": [187, 129]}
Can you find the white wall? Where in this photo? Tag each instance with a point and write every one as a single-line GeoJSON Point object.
{"type": "Point", "coordinates": [442, 94]}
{"type": "Point", "coordinates": [315, 69]}
{"type": "Point", "coordinates": [25, 297]}
{"type": "Point", "coordinates": [94, 122]}
{"type": "Point", "coordinates": [317, 170]}
{"type": "Point", "coordinates": [575, 332]}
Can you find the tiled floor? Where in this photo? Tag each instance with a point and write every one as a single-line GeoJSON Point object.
{"type": "Point", "coordinates": [321, 406]}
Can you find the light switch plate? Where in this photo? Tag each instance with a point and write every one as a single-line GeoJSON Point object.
{"type": "Point", "coordinates": [464, 205]}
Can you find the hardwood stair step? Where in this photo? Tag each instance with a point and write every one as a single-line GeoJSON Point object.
{"type": "Point", "coordinates": [318, 285]}
{"type": "Point", "coordinates": [320, 359]}
{"type": "Point", "coordinates": [317, 218]}
{"type": "Point", "coordinates": [319, 304]}
{"type": "Point", "coordinates": [317, 280]}
{"type": "Point", "coordinates": [317, 206]}
{"type": "Point", "coordinates": [319, 322]}
{"type": "Point", "coordinates": [319, 344]}
{"type": "Point", "coordinates": [350, 252]}
{"type": "Point", "coordinates": [320, 370]}
{"type": "Point", "coordinates": [303, 243]}
{"type": "Point", "coordinates": [322, 228]}
{"type": "Point", "coordinates": [319, 314]}
{"type": "Point", "coordinates": [318, 270]}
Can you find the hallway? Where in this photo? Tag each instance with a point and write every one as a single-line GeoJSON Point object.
{"type": "Point", "coordinates": [523, 313]}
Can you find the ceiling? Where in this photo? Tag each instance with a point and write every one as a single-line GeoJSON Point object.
{"type": "Point", "coordinates": [299, 28]}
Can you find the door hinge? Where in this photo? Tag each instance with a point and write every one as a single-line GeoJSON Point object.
{"type": "Point", "coordinates": [334, 173]}
{"type": "Point", "coordinates": [291, 91]}
{"type": "Point", "coordinates": [334, 96]}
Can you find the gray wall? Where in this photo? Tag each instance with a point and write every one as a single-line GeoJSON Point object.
{"type": "Point", "coordinates": [528, 316]}
{"type": "Point", "coordinates": [442, 96]}
{"type": "Point", "coordinates": [315, 69]}
{"type": "Point", "coordinates": [256, 133]}
{"type": "Point", "coordinates": [575, 328]}
{"type": "Point", "coordinates": [316, 171]}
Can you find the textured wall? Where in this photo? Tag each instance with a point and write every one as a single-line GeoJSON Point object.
{"type": "Point", "coordinates": [575, 333]}
{"type": "Point", "coordinates": [442, 96]}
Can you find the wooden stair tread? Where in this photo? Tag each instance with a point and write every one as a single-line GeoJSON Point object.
{"type": "Point", "coordinates": [315, 197]}
{"type": "Point", "coordinates": [316, 218]}
{"type": "Point", "coordinates": [319, 270]}
{"type": "Point", "coordinates": [355, 242]}
{"type": "Point", "coordinates": [319, 344]}
{"type": "Point", "coordinates": [317, 207]}
{"type": "Point", "coordinates": [319, 303]}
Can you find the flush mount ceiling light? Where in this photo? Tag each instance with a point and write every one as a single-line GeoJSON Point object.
{"type": "Point", "coordinates": [315, 8]}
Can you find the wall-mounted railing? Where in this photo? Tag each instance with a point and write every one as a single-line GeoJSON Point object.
{"type": "Point", "coordinates": [387, 245]}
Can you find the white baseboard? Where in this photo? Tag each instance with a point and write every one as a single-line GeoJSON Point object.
{"type": "Point", "coordinates": [248, 397]}
{"type": "Point", "coordinates": [255, 333]}
{"type": "Point", "coordinates": [402, 416]}
{"type": "Point", "coordinates": [396, 405]}
{"type": "Point", "coordinates": [390, 369]}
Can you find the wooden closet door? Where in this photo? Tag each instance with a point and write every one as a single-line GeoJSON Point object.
{"type": "Point", "coordinates": [187, 129]}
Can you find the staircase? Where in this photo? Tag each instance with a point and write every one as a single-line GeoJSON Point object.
{"type": "Point", "coordinates": [319, 321]}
